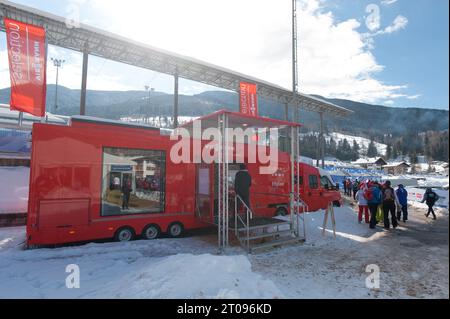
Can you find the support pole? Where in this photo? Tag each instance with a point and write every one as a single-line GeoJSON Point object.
{"type": "Point", "coordinates": [175, 101]}
{"type": "Point", "coordinates": [322, 141]}
{"type": "Point", "coordinates": [20, 121]}
{"type": "Point", "coordinates": [84, 80]}
{"type": "Point", "coordinates": [56, 89]}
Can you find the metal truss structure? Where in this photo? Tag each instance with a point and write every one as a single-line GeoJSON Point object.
{"type": "Point", "coordinates": [92, 41]}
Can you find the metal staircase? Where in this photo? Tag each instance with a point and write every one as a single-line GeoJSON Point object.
{"type": "Point", "coordinates": [260, 233]}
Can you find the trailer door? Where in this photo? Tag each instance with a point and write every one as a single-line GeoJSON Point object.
{"type": "Point", "coordinates": [204, 193]}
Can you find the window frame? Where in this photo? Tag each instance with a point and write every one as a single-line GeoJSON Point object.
{"type": "Point", "coordinates": [314, 185]}
{"type": "Point", "coordinates": [163, 178]}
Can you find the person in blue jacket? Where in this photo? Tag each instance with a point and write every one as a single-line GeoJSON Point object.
{"type": "Point", "coordinates": [374, 198]}
{"type": "Point", "coordinates": [402, 196]}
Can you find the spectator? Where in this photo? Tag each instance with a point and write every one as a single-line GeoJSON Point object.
{"type": "Point", "coordinates": [389, 205]}
{"type": "Point", "coordinates": [374, 197]}
{"type": "Point", "coordinates": [402, 197]}
{"type": "Point", "coordinates": [363, 205]}
{"type": "Point", "coordinates": [430, 198]}
{"type": "Point", "coordinates": [356, 187]}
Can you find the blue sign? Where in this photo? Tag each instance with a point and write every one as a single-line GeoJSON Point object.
{"type": "Point", "coordinates": [121, 168]}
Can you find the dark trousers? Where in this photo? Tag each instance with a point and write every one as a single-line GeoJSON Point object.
{"type": "Point", "coordinates": [431, 211]}
{"type": "Point", "coordinates": [126, 200]}
{"type": "Point", "coordinates": [373, 215]}
{"type": "Point", "coordinates": [405, 213]}
{"type": "Point", "coordinates": [354, 194]}
{"type": "Point", "coordinates": [389, 207]}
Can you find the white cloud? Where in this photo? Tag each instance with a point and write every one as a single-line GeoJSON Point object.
{"type": "Point", "coordinates": [388, 2]}
{"type": "Point", "coordinates": [400, 22]}
{"type": "Point", "coordinates": [252, 37]}
{"type": "Point", "coordinates": [414, 97]}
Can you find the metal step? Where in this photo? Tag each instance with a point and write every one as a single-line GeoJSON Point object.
{"type": "Point", "coordinates": [279, 242]}
{"type": "Point", "coordinates": [261, 223]}
{"type": "Point", "coordinates": [268, 235]}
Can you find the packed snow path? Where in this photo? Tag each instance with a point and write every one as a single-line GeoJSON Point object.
{"type": "Point", "coordinates": [413, 261]}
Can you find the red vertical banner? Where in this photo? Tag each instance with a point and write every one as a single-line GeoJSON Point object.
{"type": "Point", "coordinates": [249, 99]}
{"type": "Point", "coordinates": [27, 67]}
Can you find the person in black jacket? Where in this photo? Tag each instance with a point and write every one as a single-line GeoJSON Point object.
{"type": "Point", "coordinates": [430, 198]}
{"type": "Point", "coordinates": [126, 191]}
{"type": "Point", "coordinates": [242, 184]}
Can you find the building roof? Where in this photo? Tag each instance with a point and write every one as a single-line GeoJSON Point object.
{"type": "Point", "coordinates": [393, 165]}
{"type": "Point", "coordinates": [370, 161]}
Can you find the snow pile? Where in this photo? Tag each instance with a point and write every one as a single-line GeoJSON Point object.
{"type": "Point", "coordinates": [139, 269]}
{"type": "Point", "coordinates": [14, 184]}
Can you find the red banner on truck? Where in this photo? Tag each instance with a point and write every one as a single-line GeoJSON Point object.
{"type": "Point", "coordinates": [27, 67]}
{"type": "Point", "coordinates": [249, 99]}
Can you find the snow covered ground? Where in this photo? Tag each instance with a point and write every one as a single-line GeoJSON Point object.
{"type": "Point", "coordinates": [166, 268]}
{"type": "Point", "coordinates": [362, 142]}
{"type": "Point", "coordinates": [323, 267]}
{"type": "Point", "coordinates": [14, 184]}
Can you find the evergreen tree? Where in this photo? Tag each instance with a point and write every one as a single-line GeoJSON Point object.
{"type": "Point", "coordinates": [372, 149]}
{"type": "Point", "coordinates": [355, 150]}
{"type": "Point", "coordinates": [413, 159]}
{"type": "Point", "coordinates": [389, 152]}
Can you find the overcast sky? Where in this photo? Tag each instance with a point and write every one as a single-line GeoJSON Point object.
{"type": "Point", "coordinates": [389, 52]}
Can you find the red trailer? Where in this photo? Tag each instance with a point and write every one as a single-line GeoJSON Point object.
{"type": "Point", "coordinates": [96, 179]}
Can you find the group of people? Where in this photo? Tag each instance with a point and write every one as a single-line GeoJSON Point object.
{"type": "Point", "coordinates": [351, 187]}
{"type": "Point", "coordinates": [378, 202]}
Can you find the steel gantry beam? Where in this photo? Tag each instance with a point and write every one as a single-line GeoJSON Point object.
{"type": "Point", "coordinates": [109, 46]}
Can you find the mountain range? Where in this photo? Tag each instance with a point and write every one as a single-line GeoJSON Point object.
{"type": "Point", "coordinates": [371, 121]}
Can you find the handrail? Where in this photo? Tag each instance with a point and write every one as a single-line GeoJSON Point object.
{"type": "Point", "coordinates": [249, 215]}
{"type": "Point", "coordinates": [245, 205]}
{"type": "Point", "coordinates": [304, 203]}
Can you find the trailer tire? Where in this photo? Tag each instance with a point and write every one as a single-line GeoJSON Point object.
{"type": "Point", "coordinates": [281, 211]}
{"type": "Point", "coordinates": [151, 232]}
{"type": "Point", "coordinates": [175, 230]}
{"type": "Point", "coordinates": [124, 234]}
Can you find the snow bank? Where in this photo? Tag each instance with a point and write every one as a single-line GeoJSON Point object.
{"type": "Point", "coordinates": [139, 269]}
{"type": "Point", "coordinates": [14, 184]}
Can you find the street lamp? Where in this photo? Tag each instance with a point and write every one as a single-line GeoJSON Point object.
{"type": "Point", "coordinates": [57, 63]}
{"type": "Point", "coordinates": [149, 89]}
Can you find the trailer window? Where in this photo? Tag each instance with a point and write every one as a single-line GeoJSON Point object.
{"type": "Point", "coordinates": [313, 182]}
{"type": "Point", "coordinates": [133, 181]}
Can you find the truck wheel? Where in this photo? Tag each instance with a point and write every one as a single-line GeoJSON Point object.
{"type": "Point", "coordinates": [175, 230]}
{"type": "Point", "coordinates": [281, 212]}
{"type": "Point", "coordinates": [151, 232]}
{"type": "Point", "coordinates": [124, 234]}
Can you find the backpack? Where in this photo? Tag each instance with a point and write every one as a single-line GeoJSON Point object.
{"type": "Point", "coordinates": [388, 195]}
{"type": "Point", "coordinates": [432, 198]}
{"type": "Point", "coordinates": [368, 194]}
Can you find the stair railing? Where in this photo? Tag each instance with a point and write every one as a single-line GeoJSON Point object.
{"type": "Point", "coordinates": [305, 206]}
{"type": "Point", "coordinates": [237, 217]}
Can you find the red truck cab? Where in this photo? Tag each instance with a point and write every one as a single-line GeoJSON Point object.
{"type": "Point", "coordinates": [317, 188]}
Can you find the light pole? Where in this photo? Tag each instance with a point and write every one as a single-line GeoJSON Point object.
{"type": "Point", "coordinates": [57, 63]}
{"type": "Point", "coordinates": [149, 89]}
